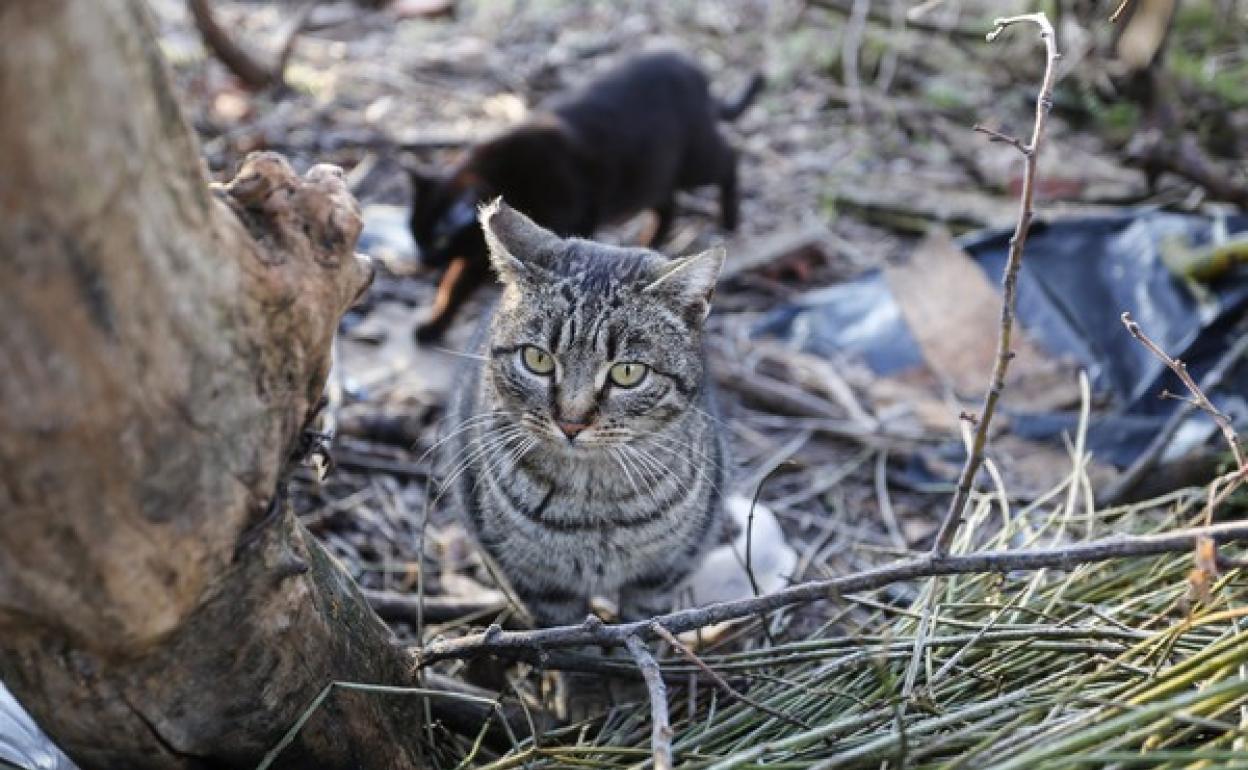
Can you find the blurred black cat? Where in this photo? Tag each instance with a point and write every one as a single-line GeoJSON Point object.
{"type": "Point", "coordinates": [624, 143]}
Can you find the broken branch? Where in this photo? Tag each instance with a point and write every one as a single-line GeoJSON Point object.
{"type": "Point", "coordinates": [660, 728]}
{"type": "Point", "coordinates": [683, 650]}
{"type": "Point", "coordinates": [1199, 399]}
{"type": "Point", "coordinates": [1147, 461]}
{"type": "Point", "coordinates": [975, 457]}
{"type": "Point", "coordinates": [253, 73]}
{"type": "Point", "coordinates": [1157, 151]}
{"type": "Point", "coordinates": [997, 136]}
{"type": "Point", "coordinates": [513, 644]}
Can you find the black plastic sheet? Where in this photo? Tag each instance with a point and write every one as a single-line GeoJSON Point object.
{"type": "Point", "coordinates": [1078, 277]}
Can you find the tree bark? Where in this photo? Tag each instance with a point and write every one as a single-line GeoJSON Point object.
{"type": "Point", "coordinates": [162, 345]}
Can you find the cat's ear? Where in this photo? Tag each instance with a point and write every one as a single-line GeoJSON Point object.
{"type": "Point", "coordinates": [690, 282]}
{"type": "Point", "coordinates": [517, 244]}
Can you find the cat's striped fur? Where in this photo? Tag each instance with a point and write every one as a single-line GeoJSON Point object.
{"type": "Point", "coordinates": [630, 504]}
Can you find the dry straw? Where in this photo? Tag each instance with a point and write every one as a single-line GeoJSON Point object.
{"type": "Point", "coordinates": [1103, 665]}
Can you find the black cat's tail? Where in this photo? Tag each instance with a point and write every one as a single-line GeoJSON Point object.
{"type": "Point", "coordinates": [731, 110]}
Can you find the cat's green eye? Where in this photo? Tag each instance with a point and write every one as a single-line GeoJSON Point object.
{"type": "Point", "coordinates": [537, 360]}
{"type": "Point", "coordinates": [627, 374]}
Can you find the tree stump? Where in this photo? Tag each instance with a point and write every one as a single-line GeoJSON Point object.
{"type": "Point", "coordinates": [162, 344]}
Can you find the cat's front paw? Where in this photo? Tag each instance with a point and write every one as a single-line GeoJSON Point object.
{"type": "Point", "coordinates": [582, 697]}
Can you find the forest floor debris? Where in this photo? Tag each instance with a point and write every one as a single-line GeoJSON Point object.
{"type": "Point", "coordinates": [841, 175]}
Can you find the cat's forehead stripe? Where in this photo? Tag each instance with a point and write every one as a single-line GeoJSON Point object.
{"type": "Point", "coordinates": [600, 341]}
{"type": "Point", "coordinates": [556, 335]}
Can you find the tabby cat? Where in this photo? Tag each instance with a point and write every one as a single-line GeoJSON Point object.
{"type": "Point", "coordinates": [584, 454]}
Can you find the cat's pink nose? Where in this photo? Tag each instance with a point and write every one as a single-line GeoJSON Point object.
{"type": "Point", "coordinates": [572, 429]}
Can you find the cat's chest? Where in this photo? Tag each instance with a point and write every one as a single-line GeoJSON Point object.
{"type": "Point", "coordinates": [594, 501]}
{"type": "Point", "coordinates": [589, 524]}
{"type": "Point", "coordinates": [579, 484]}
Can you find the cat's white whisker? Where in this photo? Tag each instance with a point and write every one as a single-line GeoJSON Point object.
{"type": "Point", "coordinates": [716, 420]}
{"type": "Point", "coordinates": [660, 471]}
{"type": "Point", "coordinates": [475, 442]}
{"type": "Point", "coordinates": [479, 449]}
{"type": "Point", "coordinates": [441, 424]}
{"type": "Point", "coordinates": [647, 473]}
{"type": "Point", "coordinates": [677, 453]}
{"type": "Point", "coordinates": [698, 452]}
{"type": "Point", "coordinates": [639, 470]}
{"type": "Point", "coordinates": [460, 353]}
{"type": "Point", "coordinates": [518, 456]}
{"type": "Point", "coordinates": [620, 462]}
{"type": "Point", "coordinates": [682, 451]}
{"type": "Point", "coordinates": [539, 426]}
{"type": "Point", "coordinates": [460, 427]}
{"type": "Point", "coordinates": [687, 483]}
{"type": "Point", "coordinates": [484, 453]}
{"type": "Point", "coordinates": [495, 466]}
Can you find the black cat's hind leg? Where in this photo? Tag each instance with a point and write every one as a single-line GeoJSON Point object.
{"type": "Point", "coordinates": [664, 215]}
{"type": "Point", "coordinates": [461, 278]}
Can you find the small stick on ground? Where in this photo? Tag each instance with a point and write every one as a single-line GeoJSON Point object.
{"type": "Point", "coordinates": [881, 16]}
{"type": "Point", "coordinates": [520, 643]}
{"type": "Point", "coordinates": [1199, 399]}
{"type": "Point", "coordinates": [409, 608]}
{"type": "Point", "coordinates": [661, 728]}
{"type": "Point", "coordinates": [253, 73]}
{"type": "Point", "coordinates": [1145, 463]}
{"type": "Point", "coordinates": [683, 650]}
{"type": "Point", "coordinates": [975, 458]}
{"type": "Point", "coordinates": [851, 43]}
{"type": "Point", "coordinates": [886, 504]}
{"type": "Point", "coordinates": [1155, 151]}
{"type": "Point", "coordinates": [290, 34]}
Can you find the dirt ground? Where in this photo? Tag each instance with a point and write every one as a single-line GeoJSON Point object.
{"type": "Point", "coordinates": [861, 143]}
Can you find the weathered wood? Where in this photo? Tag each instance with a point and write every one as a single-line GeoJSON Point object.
{"type": "Point", "coordinates": [162, 345]}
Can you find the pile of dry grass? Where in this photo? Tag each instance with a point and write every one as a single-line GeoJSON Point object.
{"type": "Point", "coordinates": [1126, 663]}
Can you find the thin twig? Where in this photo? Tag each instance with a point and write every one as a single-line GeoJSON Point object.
{"type": "Point", "coordinates": [819, 376]}
{"type": "Point", "coordinates": [683, 650]}
{"type": "Point", "coordinates": [886, 504]}
{"type": "Point", "coordinates": [1121, 9]}
{"type": "Point", "coordinates": [1147, 460]}
{"type": "Point", "coordinates": [851, 43]}
{"type": "Point", "coordinates": [293, 732]}
{"type": "Point", "coordinates": [409, 608]}
{"type": "Point", "coordinates": [916, 653]}
{"type": "Point", "coordinates": [660, 726]}
{"type": "Point", "coordinates": [519, 643]}
{"type": "Point", "coordinates": [1232, 481]}
{"type": "Point", "coordinates": [883, 17]}
{"type": "Point", "coordinates": [1156, 151]}
{"type": "Point", "coordinates": [996, 136]}
{"type": "Point", "coordinates": [297, 24]}
{"type": "Point", "coordinates": [245, 65]}
{"type": "Point", "coordinates": [975, 458]}
{"type": "Point", "coordinates": [1198, 395]}
{"type": "Point", "coordinates": [749, 529]}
